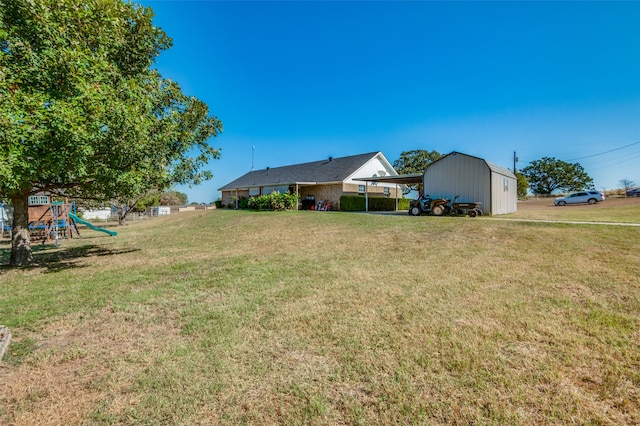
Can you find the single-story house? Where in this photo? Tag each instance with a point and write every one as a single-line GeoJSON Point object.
{"type": "Point", "coordinates": [473, 179]}
{"type": "Point", "coordinates": [324, 180]}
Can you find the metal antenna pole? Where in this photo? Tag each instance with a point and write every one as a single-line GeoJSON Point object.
{"type": "Point", "coordinates": [253, 148]}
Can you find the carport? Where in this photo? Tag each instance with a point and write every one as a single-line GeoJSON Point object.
{"type": "Point", "coordinates": [398, 180]}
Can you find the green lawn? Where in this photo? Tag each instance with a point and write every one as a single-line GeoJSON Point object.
{"type": "Point", "coordinates": [232, 317]}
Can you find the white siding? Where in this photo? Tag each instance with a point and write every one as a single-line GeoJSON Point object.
{"type": "Point", "coordinates": [102, 214]}
{"type": "Point", "coordinates": [374, 167]}
{"type": "Point", "coordinates": [474, 181]}
{"type": "Point", "coordinates": [504, 194]}
{"type": "Point", "coordinates": [459, 174]}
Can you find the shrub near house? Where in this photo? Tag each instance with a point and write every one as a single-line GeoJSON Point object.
{"type": "Point", "coordinates": [274, 201]}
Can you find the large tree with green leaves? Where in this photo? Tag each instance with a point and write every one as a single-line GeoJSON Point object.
{"type": "Point", "coordinates": [411, 162]}
{"type": "Point", "coordinates": [82, 113]}
{"type": "Point", "coordinates": [550, 174]}
{"type": "Point", "coordinates": [173, 198]}
{"type": "Point", "coordinates": [522, 185]}
{"type": "Point", "coordinates": [141, 202]}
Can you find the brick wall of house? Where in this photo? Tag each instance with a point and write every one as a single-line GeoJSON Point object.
{"type": "Point", "coordinates": [373, 190]}
{"type": "Point", "coordinates": [333, 192]}
{"type": "Point", "coordinates": [330, 192]}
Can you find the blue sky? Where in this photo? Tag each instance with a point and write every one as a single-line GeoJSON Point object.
{"type": "Point", "coordinates": [301, 81]}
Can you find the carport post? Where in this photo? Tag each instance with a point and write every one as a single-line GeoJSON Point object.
{"type": "Point", "coordinates": [396, 195]}
{"type": "Point", "coordinates": [366, 196]}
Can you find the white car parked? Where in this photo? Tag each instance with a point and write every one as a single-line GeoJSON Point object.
{"type": "Point", "coordinates": [583, 197]}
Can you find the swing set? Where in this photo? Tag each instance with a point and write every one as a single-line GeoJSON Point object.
{"type": "Point", "coordinates": [50, 220]}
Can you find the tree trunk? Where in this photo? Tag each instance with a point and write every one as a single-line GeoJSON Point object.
{"type": "Point", "coordinates": [21, 240]}
{"type": "Point", "coordinates": [122, 215]}
{"type": "Point", "coordinates": [124, 210]}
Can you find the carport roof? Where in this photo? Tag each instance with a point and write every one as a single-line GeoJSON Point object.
{"type": "Point", "coordinates": [399, 179]}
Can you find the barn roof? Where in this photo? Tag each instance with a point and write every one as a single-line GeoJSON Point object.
{"type": "Point", "coordinates": [500, 170]}
{"type": "Point", "coordinates": [323, 171]}
{"type": "Point", "coordinates": [493, 167]}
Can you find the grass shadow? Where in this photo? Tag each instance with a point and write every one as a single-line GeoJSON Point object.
{"type": "Point", "coordinates": [53, 259]}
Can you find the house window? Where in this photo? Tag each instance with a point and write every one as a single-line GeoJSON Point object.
{"type": "Point", "coordinates": [360, 189]}
{"type": "Point", "coordinates": [386, 191]}
{"type": "Point", "coordinates": [506, 184]}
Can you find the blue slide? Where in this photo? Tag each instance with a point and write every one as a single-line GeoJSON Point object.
{"type": "Point", "coordinates": [92, 226]}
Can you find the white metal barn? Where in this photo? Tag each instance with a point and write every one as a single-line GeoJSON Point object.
{"type": "Point", "coordinates": [473, 179]}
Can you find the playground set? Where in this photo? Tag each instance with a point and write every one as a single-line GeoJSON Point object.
{"type": "Point", "coordinates": [50, 220]}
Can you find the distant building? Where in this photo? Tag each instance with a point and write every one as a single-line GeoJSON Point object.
{"type": "Point", "coordinates": [99, 214]}
{"type": "Point", "coordinates": [161, 211]}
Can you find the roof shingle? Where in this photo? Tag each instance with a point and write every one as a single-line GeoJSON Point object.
{"type": "Point", "coordinates": [323, 171]}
